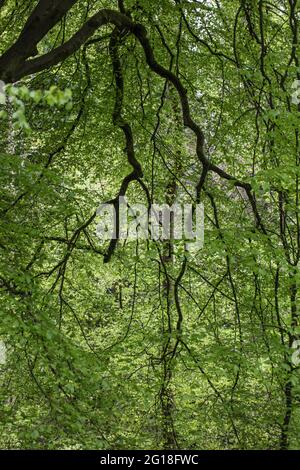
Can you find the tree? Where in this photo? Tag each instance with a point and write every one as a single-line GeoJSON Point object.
{"type": "Point", "coordinates": [159, 101]}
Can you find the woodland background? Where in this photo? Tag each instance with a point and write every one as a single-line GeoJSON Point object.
{"type": "Point", "coordinates": [141, 345]}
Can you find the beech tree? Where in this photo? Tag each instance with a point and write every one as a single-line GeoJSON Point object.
{"type": "Point", "coordinates": [142, 344]}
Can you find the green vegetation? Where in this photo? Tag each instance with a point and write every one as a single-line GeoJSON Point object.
{"type": "Point", "coordinates": [141, 344]}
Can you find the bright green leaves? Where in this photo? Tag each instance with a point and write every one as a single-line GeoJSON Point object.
{"type": "Point", "coordinates": [278, 178]}
{"type": "Point", "coordinates": [15, 99]}
{"type": "Point", "coordinates": [56, 97]}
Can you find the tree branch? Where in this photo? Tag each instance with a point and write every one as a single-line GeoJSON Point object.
{"type": "Point", "coordinates": [44, 17]}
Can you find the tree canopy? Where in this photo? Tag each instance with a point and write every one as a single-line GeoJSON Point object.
{"type": "Point", "coordinates": [142, 344]}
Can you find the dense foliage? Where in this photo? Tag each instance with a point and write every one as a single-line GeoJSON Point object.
{"type": "Point", "coordinates": [141, 344]}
